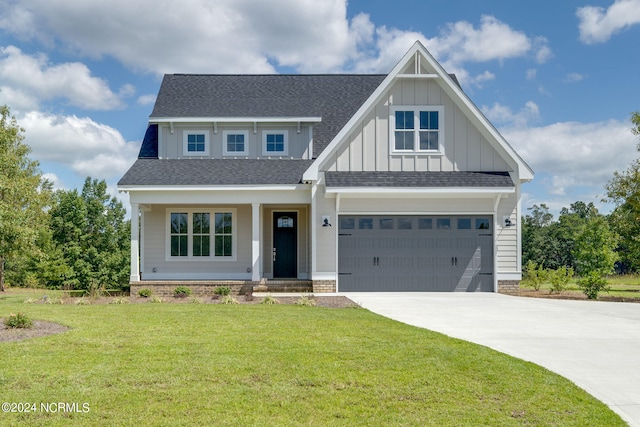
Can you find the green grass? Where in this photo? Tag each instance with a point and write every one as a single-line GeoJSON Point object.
{"type": "Point", "coordinates": [260, 365]}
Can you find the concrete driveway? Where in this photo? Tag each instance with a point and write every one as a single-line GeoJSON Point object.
{"type": "Point", "coordinates": [594, 344]}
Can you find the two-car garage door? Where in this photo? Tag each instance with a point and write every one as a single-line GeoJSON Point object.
{"type": "Point", "coordinates": [415, 253]}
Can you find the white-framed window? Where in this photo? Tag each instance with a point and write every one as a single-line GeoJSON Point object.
{"type": "Point", "coordinates": [201, 234]}
{"type": "Point", "coordinates": [235, 142]}
{"type": "Point", "coordinates": [416, 129]}
{"type": "Point", "coordinates": [195, 143]}
{"type": "Point", "coordinates": [275, 142]}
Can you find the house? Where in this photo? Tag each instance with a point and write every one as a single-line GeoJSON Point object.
{"type": "Point", "coordinates": [352, 182]}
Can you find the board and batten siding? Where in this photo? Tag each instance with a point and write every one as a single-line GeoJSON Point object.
{"type": "Point", "coordinates": [170, 145]}
{"type": "Point", "coordinates": [464, 147]}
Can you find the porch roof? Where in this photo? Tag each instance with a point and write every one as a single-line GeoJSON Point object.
{"type": "Point", "coordinates": [212, 172]}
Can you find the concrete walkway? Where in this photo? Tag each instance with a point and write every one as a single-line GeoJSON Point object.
{"type": "Point", "coordinates": [594, 344]}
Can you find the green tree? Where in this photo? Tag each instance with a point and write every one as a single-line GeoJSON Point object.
{"type": "Point", "coordinates": [90, 230]}
{"type": "Point", "coordinates": [624, 192]}
{"type": "Point", "coordinates": [24, 193]}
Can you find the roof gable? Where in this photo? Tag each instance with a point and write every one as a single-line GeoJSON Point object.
{"type": "Point", "coordinates": [418, 63]}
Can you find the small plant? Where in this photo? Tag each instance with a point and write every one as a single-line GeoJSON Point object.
{"type": "Point", "coordinates": [82, 301]}
{"type": "Point", "coordinates": [535, 276]}
{"type": "Point", "coordinates": [270, 300]}
{"type": "Point", "coordinates": [53, 301]}
{"type": "Point", "coordinates": [222, 290]}
{"type": "Point", "coordinates": [559, 278]}
{"type": "Point", "coordinates": [306, 300]}
{"type": "Point", "coordinates": [119, 301]}
{"type": "Point", "coordinates": [144, 292]}
{"type": "Point", "coordinates": [228, 299]}
{"type": "Point", "coordinates": [182, 292]}
{"type": "Point", "coordinates": [19, 320]}
{"type": "Point", "coordinates": [195, 300]}
{"type": "Point", "coordinates": [592, 284]}
{"type": "Point", "coordinates": [248, 296]}
{"type": "Point", "coordinates": [95, 290]}
{"type": "Point", "coordinates": [30, 301]}
{"type": "Point", "coordinates": [156, 300]}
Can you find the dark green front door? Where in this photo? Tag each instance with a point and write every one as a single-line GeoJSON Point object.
{"type": "Point", "coordinates": [285, 244]}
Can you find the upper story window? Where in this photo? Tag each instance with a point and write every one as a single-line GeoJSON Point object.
{"type": "Point", "coordinates": [235, 142]}
{"type": "Point", "coordinates": [416, 129]}
{"type": "Point", "coordinates": [195, 143]}
{"type": "Point", "coordinates": [275, 142]}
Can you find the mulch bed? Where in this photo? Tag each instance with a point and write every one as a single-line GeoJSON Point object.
{"type": "Point", "coordinates": [40, 329]}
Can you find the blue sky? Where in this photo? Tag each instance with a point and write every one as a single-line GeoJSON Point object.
{"type": "Point", "coordinates": [559, 79]}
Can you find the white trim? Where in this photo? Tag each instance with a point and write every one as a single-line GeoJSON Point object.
{"type": "Point", "coordinates": [324, 275]}
{"type": "Point", "coordinates": [228, 132]}
{"type": "Point", "coordinates": [181, 188]}
{"type": "Point", "coordinates": [417, 76]}
{"type": "Point", "coordinates": [212, 256]}
{"type": "Point", "coordinates": [135, 244]}
{"type": "Point", "coordinates": [417, 109]}
{"type": "Point", "coordinates": [297, 224]}
{"type": "Point", "coordinates": [255, 241]}
{"type": "Point", "coordinates": [186, 276]}
{"type": "Point", "coordinates": [508, 276]}
{"type": "Point", "coordinates": [285, 138]}
{"type": "Point", "coordinates": [185, 143]}
{"type": "Point", "coordinates": [399, 191]}
{"type": "Point", "coordinates": [223, 120]}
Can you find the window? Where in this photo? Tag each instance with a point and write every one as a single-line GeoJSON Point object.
{"type": "Point", "coordinates": [195, 143]}
{"type": "Point", "coordinates": [179, 234]}
{"type": "Point", "coordinates": [224, 234]}
{"type": "Point", "coordinates": [235, 142]}
{"type": "Point", "coordinates": [347, 223]}
{"type": "Point", "coordinates": [464, 223]}
{"type": "Point", "coordinates": [482, 224]}
{"type": "Point", "coordinates": [275, 142]}
{"type": "Point", "coordinates": [191, 235]}
{"type": "Point", "coordinates": [365, 223]}
{"type": "Point", "coordinates": [443, 223]}
{"type": "Point", "coordinates": [405, 223]}
{"type": "Point", "coordinates": [386, 223]}
{"type": "Point", "coordinates": [416, 129]}
{"type": "Point", "coordinates": [425, 223]}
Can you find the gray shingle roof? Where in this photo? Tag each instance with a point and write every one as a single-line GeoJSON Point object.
{"type": "Point", "coordinates": [418, 179]}
{"type": "Point", "coordinates": [215, 172]}
{"type": "Point", "coordinates": [333, 97]}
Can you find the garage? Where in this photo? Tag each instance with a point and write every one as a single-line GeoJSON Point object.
{"type": "Point", "coordinates": [391, 253]}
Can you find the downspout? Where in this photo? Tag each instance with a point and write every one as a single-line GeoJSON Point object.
{"type": "Point", "coordinates": [496, 223]}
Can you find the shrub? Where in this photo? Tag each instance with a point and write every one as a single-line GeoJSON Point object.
{"type": "Point", "coordinates": [19, 320]}
{"type": "Point", "coordinates": [195, 300]}
{"type": "Point", "coordinates": [306, 300]}
{"type": "Point", "coordinates": [269, 300]}
{"type": "Point", "coordinates": [222, 290]}
{"type": "Point", "coordinates": [228, 299]}
{"type": "Point", "coordinates": [182, 291]}
{"type": "Point", "coordinates": [156, 300]}
{"type": "Point", "coordinates": [30, 301]}
{"type": "Point", "coordinates": [592, 284]}
{"type": "Point", "coordinates": [82, 301]}
{"type": "Point", "coordinates": [119, 301]}
{"type": "Point", "coordinates": [535, 276]}
{"type": "Point", "coordinates": [559, 278]}
{"type": "Point", "coordinates": [53, 300]}
{"type": "Point", "coordinates": [144, 292]}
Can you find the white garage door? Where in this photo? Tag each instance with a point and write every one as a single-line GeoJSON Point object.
{"type": "Point", "coordinates": [415, 253]}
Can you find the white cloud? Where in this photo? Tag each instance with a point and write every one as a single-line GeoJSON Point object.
{"type": "Point", "coordinates": [574, 77]}
{"type": "Point", "coordinates": [531, 73]}
{"type": "Point", "coordinates": [503, 115]}
{"type": "Point", "coordinates": [54, 180]}
{"type": "Point", "coordinates": [574, 153]}
{"type": "Point", "coordinates": [35, 79]}
{"type": "Point", "coordinates": [87, 147]}
{"type": "Point", "coordinates": [597, 25]}
{"type": "Point", "coordinates": [147, 99]}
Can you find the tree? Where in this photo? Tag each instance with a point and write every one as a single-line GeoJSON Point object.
{"type": "Point", "coordinates": [23, 193]}
{"type": "Point", "coordinates": [624, 192]}
{"type": "Point", "coordinates": [90, 231]}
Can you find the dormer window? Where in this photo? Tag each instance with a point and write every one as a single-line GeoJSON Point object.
{"type": "Point", "coordinates": [235, 142]}
{"type": "Point", "coordinates": [195, 143]}
{"type": "Point", "coordinates": [416, 129]}
{"type": "Point", "coordinates": [275, 143]}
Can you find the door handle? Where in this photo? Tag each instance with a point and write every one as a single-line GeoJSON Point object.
{"type": "Point", "coordinates": [274, 254]}
{"type": "Point", "coordinates": [376, 260]}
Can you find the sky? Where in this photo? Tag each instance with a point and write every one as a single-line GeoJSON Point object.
{"type": "Point", "coordinates": [559, 79]}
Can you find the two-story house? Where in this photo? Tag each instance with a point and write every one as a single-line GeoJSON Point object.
{"type": "Point", "coordinates": [390, 182]}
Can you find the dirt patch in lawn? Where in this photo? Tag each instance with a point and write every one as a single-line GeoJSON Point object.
{"type": "Point", "coordinates": [573, 295]}
{"type": "Point", "coordinates": [40, 329]}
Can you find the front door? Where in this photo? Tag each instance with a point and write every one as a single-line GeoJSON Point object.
{"type": "Point", "coordinates": [285, 244]}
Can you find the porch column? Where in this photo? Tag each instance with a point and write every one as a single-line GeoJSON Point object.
{"type": "Point", "coordinates": [255, 242]}
{"type": "Point", "coordinates": [135, 243]}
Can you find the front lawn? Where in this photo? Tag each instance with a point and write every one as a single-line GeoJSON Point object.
{"type": "Point", "coordinates": [205, 364]}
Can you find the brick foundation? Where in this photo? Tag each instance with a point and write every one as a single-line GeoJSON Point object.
{"type": "Point", "coordinates": [509, 287]}
{"type": "Point", "coordinates": [324, 286]}
{"type": "Point", "coordinates": [198, 289]}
